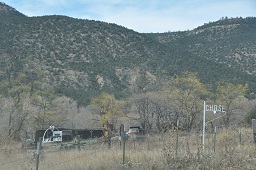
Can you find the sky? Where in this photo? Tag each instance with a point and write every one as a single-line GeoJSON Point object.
{"type": "Point", "coordinates": [144, 16]}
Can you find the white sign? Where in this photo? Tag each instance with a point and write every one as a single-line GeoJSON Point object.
{"type": "Point", "coordinates": [215, 108]}
{"type": "Point", "coordinates": [56, 135]}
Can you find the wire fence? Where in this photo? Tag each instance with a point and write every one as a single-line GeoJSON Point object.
{"type": "Point", "coordinates": [227, 149]}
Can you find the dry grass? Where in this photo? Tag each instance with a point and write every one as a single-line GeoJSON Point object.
{"type": "Point", "coordinates": [158, 152]}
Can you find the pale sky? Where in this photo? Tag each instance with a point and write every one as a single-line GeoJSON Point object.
{"type": "Point", "coordinates": [141, 15]}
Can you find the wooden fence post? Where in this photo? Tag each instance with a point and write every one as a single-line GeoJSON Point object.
{"type": "Point", "coordinates": [78, 142]}
{"type": "Point", "coordinates": [177, 139]}
{"type": "Point", "coordinates": [39, 146]}
{"type": "Point", "coordinates": [254, 129]}
{"type": "Point", "coordinates": [124, 138]}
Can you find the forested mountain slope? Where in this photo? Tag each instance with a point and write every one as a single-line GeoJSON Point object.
{"type": "Point", "coordinates": [81, 58]}
{"type": "Point", "coordinates": [229, 41]}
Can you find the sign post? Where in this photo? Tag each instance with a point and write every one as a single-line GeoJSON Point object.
{"type": "Point", "coordinates": [204, 123]}
{"type": "Point", "coordinates": [214, 109]}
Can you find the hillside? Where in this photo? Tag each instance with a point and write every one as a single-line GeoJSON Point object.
{"type": "Point", "coordinates": [81, 58]}
{"type": "Point", "coordinates": [7, 11]}
{"type": "Point", "coordinates": [229, 41]}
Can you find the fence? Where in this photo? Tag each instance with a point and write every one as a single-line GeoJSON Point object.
{"type": "Point", "coordinates": [225, 149]}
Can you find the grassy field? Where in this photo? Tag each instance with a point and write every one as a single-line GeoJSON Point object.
{"type": "Point", "coordinates": [233, 149]}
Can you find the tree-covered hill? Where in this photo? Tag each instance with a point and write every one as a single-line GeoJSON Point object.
{"type": "Point", "coordinates": [7, 11]}
{"type": "Point", "coordinates": [81, 58]}
{"type": "Point", "coordinates": [228, 41]}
